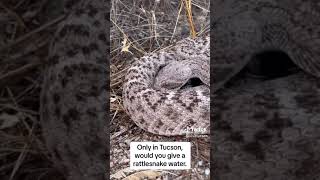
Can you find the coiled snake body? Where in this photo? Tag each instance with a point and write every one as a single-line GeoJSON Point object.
{"type": "Point", "coordinates": [169, 110]}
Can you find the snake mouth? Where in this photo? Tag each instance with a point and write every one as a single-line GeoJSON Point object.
{"type": "Point", "coordinates": [263, 66]}
{"type": "Point", "coordinates": [192, 82]}
{"type": "Point", "coordinates": [270, 64]}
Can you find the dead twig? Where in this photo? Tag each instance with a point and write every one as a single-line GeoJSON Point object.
{"type": "Point", "coordinates": [28, 35]}
{"type": "Point", "coordinates": [4, 79]}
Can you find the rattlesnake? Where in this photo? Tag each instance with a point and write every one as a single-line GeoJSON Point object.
{"type": "Point", "coordinates": [169, 110]}
{"type": "Point", "coordinates": [261, 130]}
{"type": "Point", "coordinates": [267, 129]}
{"type": "Point", "coordinates": [243, 28]}
{"type": "Point", "coordinates": [74, 93]}
{"type": "Point", "coordinates": [237, 37]}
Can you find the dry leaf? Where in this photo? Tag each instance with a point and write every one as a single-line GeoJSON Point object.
{"type": "Point", "coordinates": [143, 174]}
{"type": "Point", "coordinates": [122, 173]}
{"type": "Point", "coordinates": [7, 120]}
{"type": "Point", "coordinates": [126, 45]}
{"type": "Point", "coordinates": [113, 99]}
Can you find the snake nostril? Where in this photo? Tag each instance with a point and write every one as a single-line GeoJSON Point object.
{"type": "Point", "coordinates": [271, 64]}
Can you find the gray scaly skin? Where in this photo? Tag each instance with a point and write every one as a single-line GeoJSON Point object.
{"type": "Point", "coordinates": [266, 130]}
{"type": "Point", "coordinates": [246, 27]}
{"type": "Point", "coordinates": [169, 110]}
{"type": "Point", "coordinates": [74, 93]}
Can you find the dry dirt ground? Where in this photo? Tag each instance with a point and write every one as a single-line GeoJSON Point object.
{"type": "Point", "coordinates": [140, 27]}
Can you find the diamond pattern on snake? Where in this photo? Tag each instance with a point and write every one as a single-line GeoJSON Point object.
{"type": "Point", "coordinates": [74, 94]}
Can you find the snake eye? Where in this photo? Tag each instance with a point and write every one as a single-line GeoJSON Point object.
{"type": "Point", "coordinates": [271, 64]}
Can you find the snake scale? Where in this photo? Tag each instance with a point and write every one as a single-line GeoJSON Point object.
{"type": "Point", "coordinates": [264, 131]}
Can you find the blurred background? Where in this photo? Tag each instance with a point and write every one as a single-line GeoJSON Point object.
{"type": "Point", "coordinates": [26, 30]}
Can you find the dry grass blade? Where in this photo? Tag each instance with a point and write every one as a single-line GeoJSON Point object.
{"type": "Point", "coordinates": [188, 7]}
{"type": "Point", "coordinates": [29, 50]}
{"type": "Point", "coordinates": [176, 23]}
{"type": "Point", "coordinates": [28, 35]}
{"type": "Point", "coordinates": [19, 19]}
{"type": "Point", "coordinates": [6, 78]}
{"type": "Point", "coordinates": [18, 162]}
{"type": "Point", "coordinates": [126, 39]}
